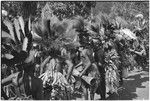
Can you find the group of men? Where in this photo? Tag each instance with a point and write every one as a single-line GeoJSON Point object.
{"type": "Point", "coordinates": [82, 58]}
{"type": "Point", "coordinates": [87, 59]}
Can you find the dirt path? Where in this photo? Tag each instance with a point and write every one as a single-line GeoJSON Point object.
{"type": "Point", "coordinates": [136, 87]}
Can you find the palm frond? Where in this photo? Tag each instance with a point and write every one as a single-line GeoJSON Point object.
{"type": "Point", "coordinates": [17, 28]}
{"type": "Point", "coordinates": [10, 27]}
{"type": "Point", "coordinates": [36, 37]}
{"type": "Point", "coordinates": [25, 42]}
{"type": "Point", "coordinates": [6, 35]}
{"type": "Point", "coordinates": [15, 35]}
{"type": "Point", "coordinates": [22, 24]}
{"type": "Point", "coordinates": [29, 24]}
{"type": "Point", "coordinates": [37, 29]}
{"type": "Point", "coordinates": [4, 27]}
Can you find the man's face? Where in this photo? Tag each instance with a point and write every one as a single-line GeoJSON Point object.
{"type": "Point", "coordinates": [48, 64]}
{"type": "Point", "coordinates": [80, 49]}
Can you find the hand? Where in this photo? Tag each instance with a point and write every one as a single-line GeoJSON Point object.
{"type": "Point", "coordinates": [80, 75]}
{"type": "Point", "coordinates": [131, 50]}
{"type": "Point", "coordinates": [32, 52]}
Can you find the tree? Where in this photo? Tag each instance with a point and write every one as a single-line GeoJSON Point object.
{"type": "Point", "coordinates": [128, 10]}
{"type": "Point", "coordinates": [71, 9]}
{"type": "Point", "coordinates": [104, 7]}
{"type": "Point", "coordinates": [15, 8]}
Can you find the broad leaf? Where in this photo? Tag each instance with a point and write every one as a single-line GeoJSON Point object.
{"type": "Point", "coordinates": [6, 35]}
{"type": "Point", "coordinates": [25, 43]}
{"type": "Point", "coordinates": [29, 24]}
{"type": "Point", "coordinates": [35, 36]}
{"type": "Point", "coordinates": [37, 29]}
{"type": "Point", "coordinates": [10, 27]}
{"type": "Point", "coordinates": [17, 28]}
{"type": "Point", "coordinates": [22, 25]}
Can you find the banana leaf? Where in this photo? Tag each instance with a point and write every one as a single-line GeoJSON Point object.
{"type": "Point", "coordinates": [36, 28]}
{"type": "Point", "coordinates": [29, 24]}
{"type": "Point", "coordinates": [6, 35]}
{"type": "Point", "coordinates": [25, 43]}
{"type": "Point", "coordinates": [36, 37]}
{"type": "Point", "coordinates": [10, 27]}
{"type": "Point", "coordinates": [22, 25]}
{"type": "Point", "coordinates": [4, 27]}
{"type": "Point", "coordinates": [17, 28]}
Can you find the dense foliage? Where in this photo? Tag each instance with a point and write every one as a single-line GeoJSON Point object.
{"type": "Point", "coordinates": [54, 26]}
{"type": "Point", "coordinates": [60, 9]}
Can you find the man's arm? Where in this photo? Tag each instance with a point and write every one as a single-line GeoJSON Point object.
{"type": "Point", "coordinates": [78, 64]}
{"type": "Point", "coordinates": [88, 62]}
{"type": "Point", "coordinates": [8, 80]}
{"type": "Point", "coordinates": [31, 56]}
{"type": "Point", "coordinates": [70, 68]}
{"type": "Point", "coordinates": [143, 52]}
{"type": "Point", "coordinates": [43, 64]}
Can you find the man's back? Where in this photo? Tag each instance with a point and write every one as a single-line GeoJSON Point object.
{"type": "Point", "coordinates": [37, 88]}
{"type": "Point", "coordinates": [30, 85]}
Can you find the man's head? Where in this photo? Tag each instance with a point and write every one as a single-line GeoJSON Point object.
{"type": "Point", "coordinates": [81, 48]}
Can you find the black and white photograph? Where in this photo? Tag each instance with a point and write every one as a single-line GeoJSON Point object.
{"type": "Point", "coordinates": [74, 50]}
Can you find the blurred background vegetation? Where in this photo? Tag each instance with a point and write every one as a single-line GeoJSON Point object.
{"type": "Point", "coordinates": [127, 10]}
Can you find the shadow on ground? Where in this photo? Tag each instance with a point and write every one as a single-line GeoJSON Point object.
{"type": "Point", "coordinates": [130, 84]}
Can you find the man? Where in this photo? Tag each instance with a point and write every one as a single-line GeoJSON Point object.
{"type": "Point", "coordinates": [140, 54]}
{"type": "Point", "coordinates": [25, 81]}
{"type": "Point", "coordinates": [86, 59]}
{"type": "Point", "coordinates": [87, 67]}
{"type": "Point", "coordinates": [86, 63]}
{"type": "Point", "coordinates": [69, 55]}
{"type": "Point", "coordinates": [99, 58]}
{"type": "Point", "coordinates": [33, 85]}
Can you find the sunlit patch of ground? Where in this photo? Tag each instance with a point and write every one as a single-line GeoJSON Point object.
{"type": "Point", "coordinates": [136, 87]}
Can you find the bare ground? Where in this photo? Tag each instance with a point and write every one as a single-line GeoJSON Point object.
{"type": "Point", "coordinates": [136, 87]}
